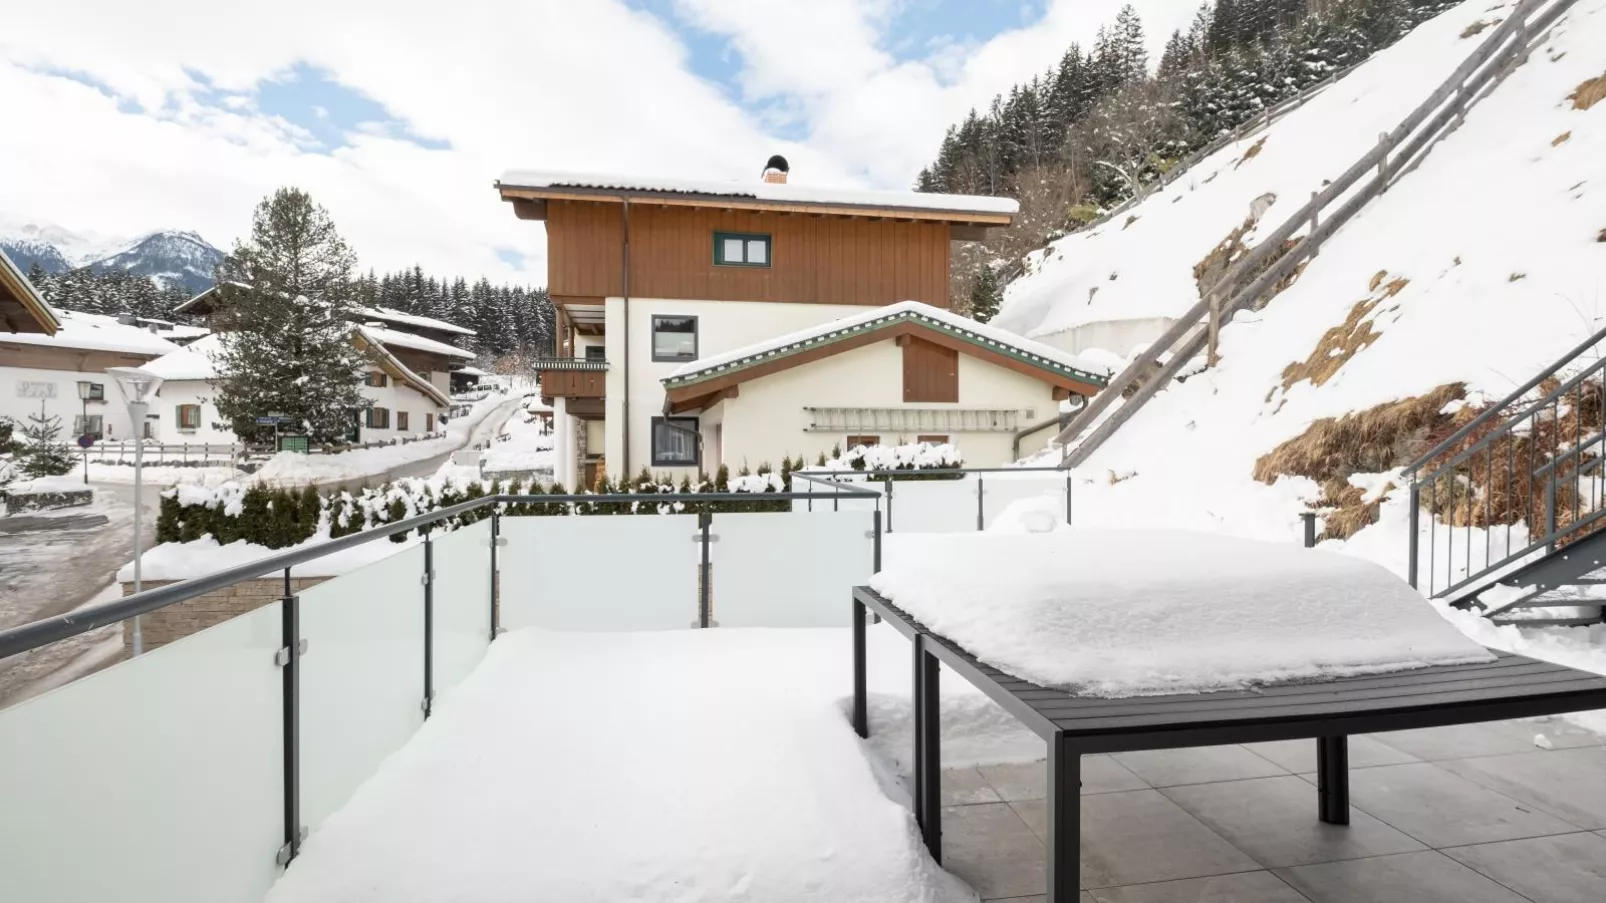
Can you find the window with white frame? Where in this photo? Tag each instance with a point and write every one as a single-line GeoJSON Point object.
{"type": "Point", "coordinates": [675, 442]}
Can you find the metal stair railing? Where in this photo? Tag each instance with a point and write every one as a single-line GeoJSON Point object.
{"type": "Point", "coordinates": [1507, 44]}
{"type": "Point", "coordinates": [1528, 465]}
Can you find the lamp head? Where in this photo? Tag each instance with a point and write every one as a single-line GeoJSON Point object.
{"type": "Point", "coordinates": [137, 385]}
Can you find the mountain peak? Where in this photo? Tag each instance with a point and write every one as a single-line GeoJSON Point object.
{"type": "Point", "coordinates": [168, 256]}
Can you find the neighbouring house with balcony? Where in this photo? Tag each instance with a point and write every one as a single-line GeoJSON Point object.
{"type": "Point", "coordinates": [57, 360]}
{"type": "Point", "coordinates": [702, 323]}
{"type": "Point", "coordinates": [407, 382]}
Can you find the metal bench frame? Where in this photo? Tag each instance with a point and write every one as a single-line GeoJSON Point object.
{"type": "Point", "coordinates": [1328, 712]}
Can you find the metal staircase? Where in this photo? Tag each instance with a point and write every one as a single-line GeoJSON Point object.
{"type": "Point", "coordinates": [1515, 502]}
{"type": "Point", "coordinates": [1258, 273]}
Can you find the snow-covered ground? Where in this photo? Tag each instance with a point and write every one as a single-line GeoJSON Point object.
{"type": "Point", "coordinates": [1496, 238]}
{"type": "Point", "coordinates": [687, 765]}
{"type": "Point", "coordinates": [524, 445]}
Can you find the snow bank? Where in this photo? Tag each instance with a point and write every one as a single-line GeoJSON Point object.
{"type": "Point", "coordinates": [527, 785]}
{"type": "Point", "coordinates": [186, 560]}
{"type": "Point", "coordinates": [291, 468]}
{"type": "Point", "coordinates": [66, 483]}
{"type": "Point", "coordinates": [1128, 612]}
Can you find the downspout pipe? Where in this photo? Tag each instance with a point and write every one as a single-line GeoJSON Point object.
{"type": "Point", "coordinates": [624, 469]}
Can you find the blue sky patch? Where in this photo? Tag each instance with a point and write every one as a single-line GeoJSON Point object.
{"type": "Point", "coordinates": [124, 104]}
{"type": "Point", "coordinates": [512, 258]}
{"type": "Point", "coordinates": [329, 111]}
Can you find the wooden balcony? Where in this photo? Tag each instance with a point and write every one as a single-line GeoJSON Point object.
{"type": "Point", "coordinates": [572, 378]}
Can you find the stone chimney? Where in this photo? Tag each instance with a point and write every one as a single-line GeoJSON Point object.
{"type": "Point", "coordinates": [776, 169]}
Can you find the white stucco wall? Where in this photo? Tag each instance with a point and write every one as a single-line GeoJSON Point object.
{"type": "Point", "coordinates": [721, 326]}
{"type": "Point", "coordinates": [188, 391]}
{"type": "Point", "coordinates": [399, 397]}
{"type": "Point", "coordinates": [20, 385]}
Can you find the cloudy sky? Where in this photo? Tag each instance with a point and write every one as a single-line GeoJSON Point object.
{"type": "Point", "coordinates": [123, 118]}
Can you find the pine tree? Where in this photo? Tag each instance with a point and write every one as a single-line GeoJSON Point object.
{"type": "Point", "coordinates": [43, 454]}
{"type": "Point", "coordinates": [286, 343]}
{"type": "Point", "coordinates": [985, 295]}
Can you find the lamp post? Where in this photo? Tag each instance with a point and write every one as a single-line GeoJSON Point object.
{"type": "Point", "coordinates": [84, 387]}
{"type": "Point", "coordinates": [138, 388]}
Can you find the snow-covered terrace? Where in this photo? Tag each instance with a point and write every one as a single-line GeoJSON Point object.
{"type": "Point", "coordinates": [601, 749]}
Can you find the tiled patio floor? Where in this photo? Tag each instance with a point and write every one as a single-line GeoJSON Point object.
{"type": "Point", "coordinates": [1469, 814]}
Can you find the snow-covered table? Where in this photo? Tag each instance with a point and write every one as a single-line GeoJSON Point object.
{"type": "Point", "coordinates": [1073, 724]}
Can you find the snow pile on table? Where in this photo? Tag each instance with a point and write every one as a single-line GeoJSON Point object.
{"type": "Point", "coordinates": [687, 765]}
{"type": "Point", "coordinates": [1130, 612]}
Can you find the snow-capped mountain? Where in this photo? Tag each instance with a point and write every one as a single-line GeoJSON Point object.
{"type": "Point", "coordinates": [170, 257]}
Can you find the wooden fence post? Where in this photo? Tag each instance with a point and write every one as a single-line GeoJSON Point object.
{"type": "Point", "coordinates": [1383, 162]}
{"type": "Point", "coordinates": [1215, 326]}
{"type": "Point", "coordinates": [1315, 223]}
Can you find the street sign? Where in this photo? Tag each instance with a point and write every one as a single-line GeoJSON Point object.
{"type": "Point", "coordinates": [86, 440]}
{"type": "Point", "coordinates": [267, 421]}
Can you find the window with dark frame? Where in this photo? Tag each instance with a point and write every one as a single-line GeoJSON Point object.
{"type": "Point", "coordinates": [741, 249]}
{"type": "Point", "coordinates": [674, 339]}
{"type": "Point", "coordinates": [932, 440]}
{"type": "Point", "coordinates": [596, 353]}
{"type": "Point", "coordinates": [97, 392]}
{"type": "Point", "coordinates": [379, 418]}
{"type": "Point", "coordinates": [401, 420]}
{"type": "Point", "coordinates": [188, 416]}
{"type": "Point", "coordinates": [91, 425]}
{"type": "Point", "coordinates": [429, 423]}
{"type": "Point", "coordinates": [675, 442]}
{"type": "Point", "coordinates": [866, 440]}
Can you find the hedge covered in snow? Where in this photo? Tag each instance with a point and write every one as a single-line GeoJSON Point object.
{"type": "Point", "coordinates": [278, 518]}
{"type": "Point", "coordinates": [908, 459]}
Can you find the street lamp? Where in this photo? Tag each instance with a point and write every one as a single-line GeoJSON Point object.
{"type": "Point", "coordinates": [138, 388]}
{"type": "Point", "coordinates": [84, 388]}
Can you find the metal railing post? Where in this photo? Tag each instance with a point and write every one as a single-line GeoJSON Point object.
{"type": "Point", "coordinates": [496, 579]}
{"type": "Point", "coordinates": [289, 660]}
{"type": "Point", "coordinates": [429, 622]}
{"type": "Point", "coordinates": [888, 483]}
{"type": "Point", "coordinates": [1416, 539]}
{"type": "Point", "coordinates": [1309, 517]}
{"type": "Point", "coordinates": [876, 558]}
{"type": "Point", "coordinates": [1067, 499]}
{"type": "Point", "coordinates": [981, 504]}
{"type": "Point", "coordinates": [705, 616]}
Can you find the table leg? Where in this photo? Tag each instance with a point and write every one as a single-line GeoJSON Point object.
{"type": "Point", "coordinates": [1064, 820]}
{"type": "Point", "coordinates": [928, 748]}
{"type": "Point", "coordinates": [861, 715]}
{"type": "Point", "coordinates": [1332, 779]}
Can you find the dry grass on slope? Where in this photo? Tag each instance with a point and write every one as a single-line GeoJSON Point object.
{"type": "Point", "coordinates": [1588, 93]}
{"type": "Point", "coordinates": [1344, 341]}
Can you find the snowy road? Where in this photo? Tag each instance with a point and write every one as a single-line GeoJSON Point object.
{"type": "Point", "coordinates": [49, 570]}
{"type": "Point", "coordinates": [483, 431]}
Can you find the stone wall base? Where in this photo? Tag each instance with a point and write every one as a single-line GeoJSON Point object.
{"type": "Point", "coordinates": [181, 619]}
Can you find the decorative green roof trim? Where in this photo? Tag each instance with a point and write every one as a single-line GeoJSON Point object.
{"type": "Point", "coordinates": [847, 332]}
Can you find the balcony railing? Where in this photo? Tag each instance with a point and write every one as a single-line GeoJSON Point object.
{"type": "Point", "coordinates": [569, 363]}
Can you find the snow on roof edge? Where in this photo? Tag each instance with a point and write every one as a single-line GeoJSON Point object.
{"type": "Point", "coordinates": [762, 191]}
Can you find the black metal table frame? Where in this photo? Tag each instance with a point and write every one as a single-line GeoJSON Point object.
{"type": "Point", "coordinates": [1065, 747]}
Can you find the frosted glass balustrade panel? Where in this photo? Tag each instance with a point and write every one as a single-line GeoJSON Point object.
{"type": "Point", "coordinates": [158, 780]}
{"type": "Point", "coordinates": [1001, 491]}
{"type": "Point", "coordinates": [362, 678]}
{"type": "Point", "coordinates": [462, 602]}
{"type": "Point", "coordinates": [934, 506]}
{"type": "Point", "coordinates": [600, 572]}
{"type": "Point", "coordinates": [786, 570]}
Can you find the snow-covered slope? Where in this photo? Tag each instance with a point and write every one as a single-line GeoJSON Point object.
{"type": "Point", "coordinates": [1140, 265]}
{"type": "Point", "coordinates": [1498, 237]}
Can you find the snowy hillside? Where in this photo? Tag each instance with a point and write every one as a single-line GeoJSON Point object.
{"type": "Point", "coordinates": [1470, 275]}
{"type": "Point", "coordinates": [171, 258]}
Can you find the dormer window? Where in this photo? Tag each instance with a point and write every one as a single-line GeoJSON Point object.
{"type": "Point", "coordinates": [741, 249]}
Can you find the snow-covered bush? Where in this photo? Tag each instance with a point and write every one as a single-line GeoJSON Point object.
{"type": "Point", "coordinates": [907, 459]}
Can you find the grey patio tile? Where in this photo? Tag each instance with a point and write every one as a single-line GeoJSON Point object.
{"type": "Point", "coordinates": [963, 786]}
{"type": "Point", "coordinates": [1038, 898]}
{"type": "Point", "coordinates": [1138, 836]}
{"type": "Point", "coordinates": [1197, 765]}
{"type": "Point", "coordinates": [1275, 821]}
{"type": "Point", "coordinates": [1100, 774]}
{"type": "Point", "coordinates": [1567, 783]}
{"type": "Point", "coordinates": [1566, 868]}
{"type": "Point", "coordinates": [1299, 756]}
{"type": "Point", "coordinates": [989, 847]}
{"type": "Point", "coordinates": [1443, 809]}
{"type": "Point", "coordinates": [1490, 738]}
{"type": "Point", "coordinates": [1244, 887]}
{"type": "Point", "coordinates": [1426, 877]}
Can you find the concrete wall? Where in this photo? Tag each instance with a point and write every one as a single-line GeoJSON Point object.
{"type": "Point", "coordinates": [1118, 336]}
{"type": "Point", "coordinates": [399, 396]}
{"type": "Point", "coordinates": [20, 385]}
{"type": "Point", "coordinates": [721, 326]}
{"type": "Point", "coordinates": [767, 421]}
{"type": "Point", "coordinates": [163, 626]}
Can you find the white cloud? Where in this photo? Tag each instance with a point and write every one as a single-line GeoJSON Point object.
{"type": "Point", "coordinates": [588, 85]}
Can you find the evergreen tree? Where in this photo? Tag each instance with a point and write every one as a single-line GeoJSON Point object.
{"type": "Point", "coordinates": [985, 295]}
{"type": "Point", "coordinates": [286, 342]}
{"type": "Point", "coordinates": [43, 454]}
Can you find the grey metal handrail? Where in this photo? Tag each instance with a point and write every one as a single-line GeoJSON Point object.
{"type": "Point", "coordinates": [1189, 329]}
{"type": "Point", "coordinates": [29, 636]}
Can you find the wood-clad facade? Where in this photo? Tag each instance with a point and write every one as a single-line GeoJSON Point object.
{"type": "Point", "coordinates": [819, 259]}
{"type": "Point", "coordinates": [930, 371]}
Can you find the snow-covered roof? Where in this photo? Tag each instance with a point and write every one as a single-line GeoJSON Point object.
{"type": "Point", "coordinates": [763, 191]}
{"type": "Point", "coordinates": [13, 281]}
{"type": "Point", "coordinates": [980, 334]}
{"type": "Point", "coordinates": [470, 371]}
{"type": "Point", "coordinates": [96, 332]}
{"type": "Point", "coordinates": [198, 298]}
{"type": "Point", "coordinates": [192, 361]}
{"type": "Point", "coordinates": [369, 336]}
{"type": "Point", "coordinates": [395, 316]}
{"type": "Point", "coordinates": [395, 339]}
